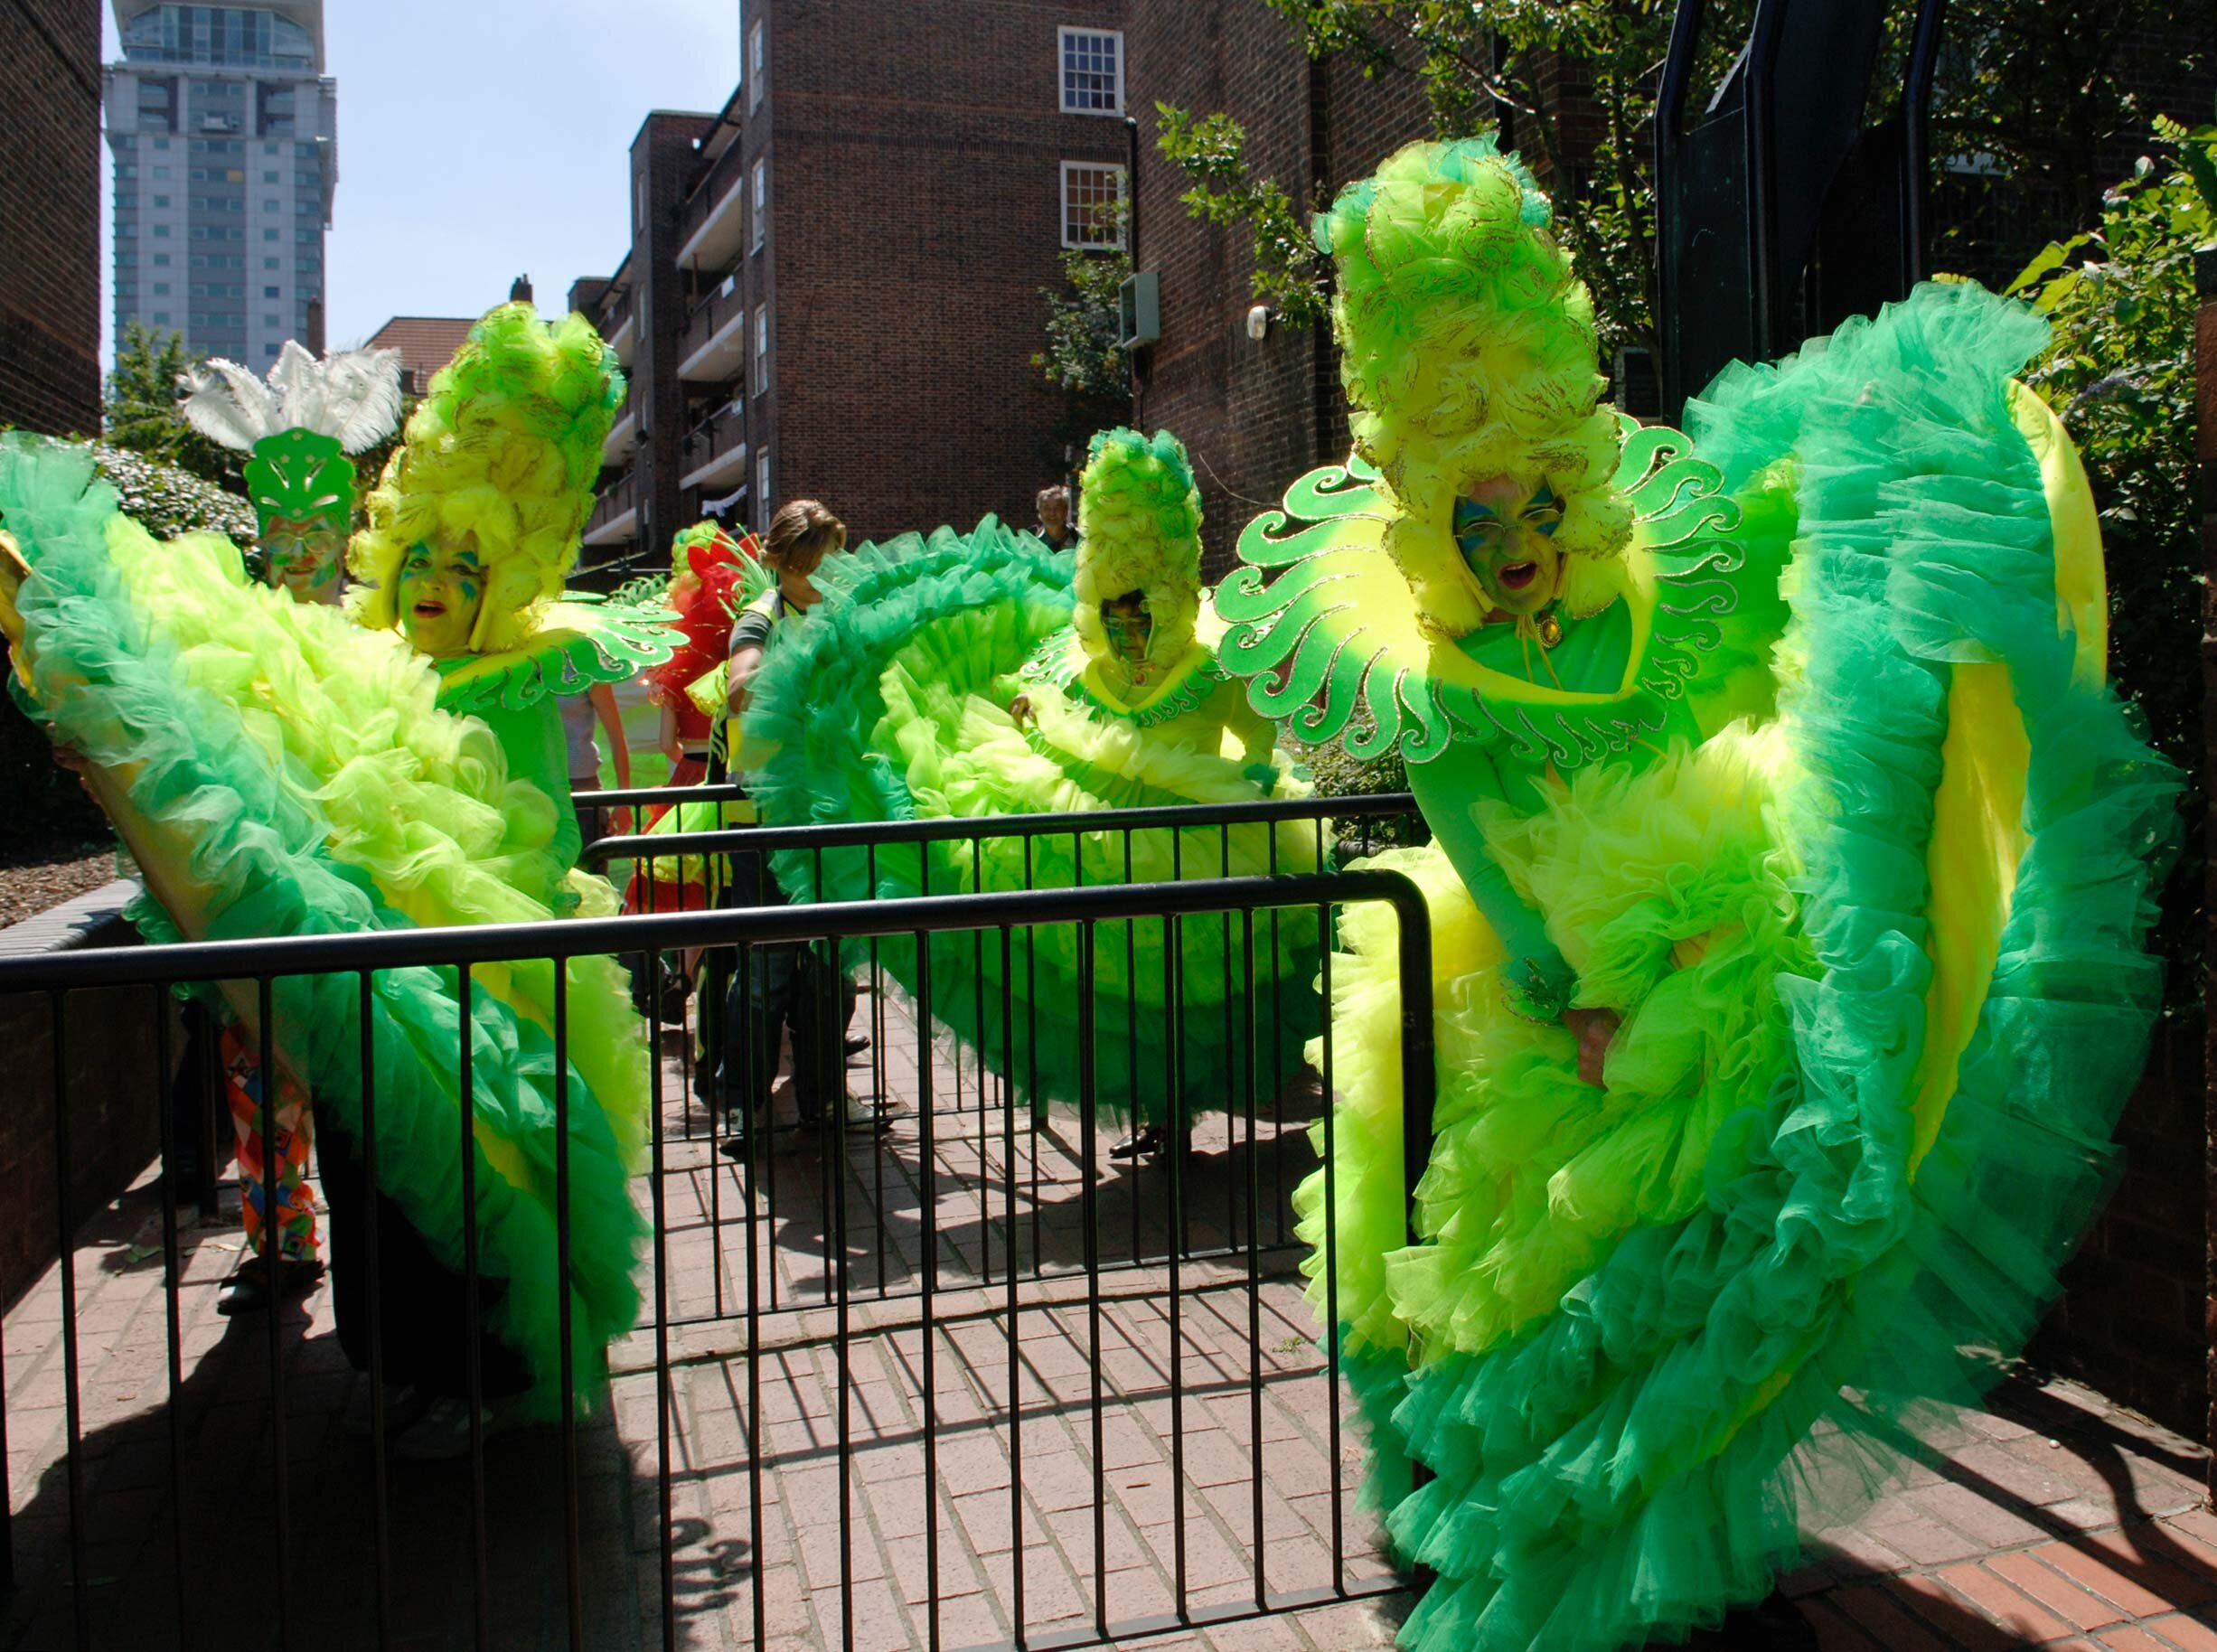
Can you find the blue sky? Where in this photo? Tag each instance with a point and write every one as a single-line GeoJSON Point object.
{"type": "Point", "coordinates": [483, 139]}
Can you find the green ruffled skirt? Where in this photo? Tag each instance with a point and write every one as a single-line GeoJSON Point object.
{"type": "Point", "coordinates": [1653, 1331]}
{"type": "Point", "coordinates": [890, 702]}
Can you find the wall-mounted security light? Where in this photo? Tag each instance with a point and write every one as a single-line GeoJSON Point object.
{"type": "Point", "coordinates": [1258, 322]}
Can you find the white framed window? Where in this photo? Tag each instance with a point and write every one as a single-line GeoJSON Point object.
{"type": "Point", "coordinates": [762, 348]}
{"type": "Point", "coordinates": [762, 492]}
{"type": "Point", "coordinates": [762, 204]}
{"type": "Point", "coordinates": [754, 68]}
{"type": "Point", "coordinates": [1093, 199]}
{"type": "Point", "coordinates": [1093, 70]}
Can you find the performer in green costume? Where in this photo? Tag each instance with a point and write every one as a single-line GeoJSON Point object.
{"type": "Point", "coordinates": [476, 522]}
{"type": "Point", "coordinates": [1792, 876]}
{"type": "Point", "coordinates": [982, 675]}
{"type": "Point", "coordinates": [278, 770]}
{"type": "Point", "coordinates": [297, 429]}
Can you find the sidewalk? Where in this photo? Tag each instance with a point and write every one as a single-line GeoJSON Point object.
{"type": "Point", "coordinates": [2049, 1520]}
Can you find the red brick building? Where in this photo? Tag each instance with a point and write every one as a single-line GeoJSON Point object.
{"type": "Point", "coordinates": [1255, 414]}
{"type": "Point", "coordinates": [50, 216]}
{"type": "Point", "coordinates": [833, 285]}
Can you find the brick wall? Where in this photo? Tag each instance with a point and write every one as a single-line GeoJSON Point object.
{"type": "Point", "coordinates": [1254, 414]}
{"type": "Point", "coordinates": [49, 215]}
{"type": "Point", "coordinates": [916, 201]}
{"type": "Point", "coordinates": [111, 1049]}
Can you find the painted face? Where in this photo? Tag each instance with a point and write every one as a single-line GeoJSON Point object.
{"type": "Point", "coordinates": [1131, 628]}
{"type": "Point", "coordinates": [303, 557]}
{"type": "Point", "coordinates": [441, 588]}
{"type": "Point", "coordinates": [1508, 537]}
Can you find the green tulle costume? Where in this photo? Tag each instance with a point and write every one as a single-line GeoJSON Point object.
{"type": "Point", "coordinates": [279, 770]}
{"type": "Point", "coordinates": [972, 675]}
{"type": "Point", "coordinates": [1805, 770]}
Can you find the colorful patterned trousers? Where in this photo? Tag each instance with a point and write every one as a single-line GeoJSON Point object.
{"type": "Point", "coordinates": [292, 1132]}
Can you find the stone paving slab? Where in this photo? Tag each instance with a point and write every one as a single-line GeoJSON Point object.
{"type": "Point", "coordinates": [2052, 1519]}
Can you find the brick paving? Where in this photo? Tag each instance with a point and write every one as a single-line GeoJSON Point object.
{"type": "Point", "coordinates": [2052, 1519]}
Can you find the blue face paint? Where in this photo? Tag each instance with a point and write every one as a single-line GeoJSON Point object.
{"type": "Point", "coordinates": [1512, 555]}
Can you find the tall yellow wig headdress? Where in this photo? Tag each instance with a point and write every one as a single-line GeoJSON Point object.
{"type": "Point", "coordinates": [1138, 525]}
{"type": "Point", "coordinates": [506, 447]}
{"type": "Point", "coordinates": [1468, 352]}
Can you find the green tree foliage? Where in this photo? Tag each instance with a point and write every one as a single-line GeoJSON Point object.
{"type": "Point", "coordinates": [141, 412]}
{"type": "Point", "coordinates": [2032, 87]}
{"type": "Point", "coordinates": [1082, 358]}
{"type": "Point", "coordinates": [2121, 374]}
{"type": "Point", "coordinates": [1290, 273]}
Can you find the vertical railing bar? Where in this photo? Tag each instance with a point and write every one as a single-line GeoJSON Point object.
{"type": "Point", "coordinates": [1007, 1067]}
{"type": "Point", "coordinates": [173, 1280]}
{"type": "Point", "coordinates": [465, 1080]}
{"type": "Point", "coordinates": [753, 1130]}
{"type": "Point", "coordinates": [1131, 1051]}
{"type": "Point", "coordinates": [1325, 942]}
{"type": "Point", "coordinates": [280, 1488]}
{"type": "Point", "coordinates": [1016, 1396]}
{"type": "Point", "coordinates": [1087, 1078]}
{"type": "Point", "coordinates": [572, 1557]}
{"type": "Point", "coordinates": [1255, 1268]}
{"type": "Point", "coordinates": [650, 966]}
{"type": "Point", "coordinates": [830, 1032]}
{"type": "Point", "coordinates": [380, 1480]}
{"type": "Point", "coordinates": [928, 1206]}
{"type": "Point", "coordinates": [1173, 946]}
{"type": "Point", "coordinates": [878, 1098]}
{"type": "Point", "coordinates": [80, 1605]}
{"type": "Point", "coordinates": [1031, 1034]}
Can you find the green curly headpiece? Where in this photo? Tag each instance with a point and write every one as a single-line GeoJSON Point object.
{"type": "Point", "coordinates": [505, 446]}
{"type": "Point", "coordinates": [1138, 525]}
{"type": "Point", "coordinates": [1468, 349]}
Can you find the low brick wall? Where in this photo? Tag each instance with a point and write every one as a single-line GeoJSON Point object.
{"type": "Point", "coordinates": [2130, 1322]}
{"type": "Point", "coordinates": [116, 1095]}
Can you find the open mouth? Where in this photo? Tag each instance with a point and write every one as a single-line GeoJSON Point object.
{"type": "Point", "coordinates": [428, 610]}
{"type": "Point", "coordinates": [1518, 575]}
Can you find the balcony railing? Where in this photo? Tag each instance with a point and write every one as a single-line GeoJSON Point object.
{"type": "Point", "coordinates": [720, 320]}
{"type": "Point", "coordinates": [619, 501]}
{"type": "Point", "coordinates": [715, 449]}
{"type": "Point", "coordinates": [709, 226]}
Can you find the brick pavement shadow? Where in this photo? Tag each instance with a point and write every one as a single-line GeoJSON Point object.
{"type": "Point", "coordinates": [2116, 1544]}
{"type": "Point", "coordinates": [234, 1585]}
{"type": "Point", "coordinates": [1218, 1185]}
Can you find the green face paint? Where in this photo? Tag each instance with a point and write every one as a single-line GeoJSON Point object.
{"type": "Point", "coordinates": [303, 557]}
{"type": "Point", "coordinates": [440, 589]}
{"type": "Point", "coordinates": [1507, 538]}
{"type": "Point", "coordinates": [1129, 627]}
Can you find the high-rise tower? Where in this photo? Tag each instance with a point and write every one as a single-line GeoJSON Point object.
{"type": "Point", "coordinates": [224, 130]}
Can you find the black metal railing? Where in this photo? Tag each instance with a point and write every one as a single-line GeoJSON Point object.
{"type": "Point", "coordinates": [792, 1498]}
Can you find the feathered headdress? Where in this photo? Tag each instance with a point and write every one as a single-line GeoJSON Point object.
{"type": "Point", "coordinates": [506, 445]}
{"type": "Point", "coordinates": [712, 577]}
{"type": "Point", "coordinates": [1139, 524]}
{"type": "Point", "coordinates": [299, 426]}
{"type": "Point", "coordinates": [1468, 349]}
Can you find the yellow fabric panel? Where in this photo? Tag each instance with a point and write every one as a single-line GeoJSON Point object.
{"type": "Point", "coordinates": [1979, 840]}
{"type": "Point", "coordinates": [2081, 583]}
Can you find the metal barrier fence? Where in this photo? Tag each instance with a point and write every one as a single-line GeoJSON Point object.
{"type": "Point", "coordinates": [731, 867]}
{"type": "Point", "coordinates": [754, 1513]}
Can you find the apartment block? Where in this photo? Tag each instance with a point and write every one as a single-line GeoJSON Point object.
{"type": "Point", "coordinates": [833, 284]}
{"type": "Point", "coordinates": [224, 132]}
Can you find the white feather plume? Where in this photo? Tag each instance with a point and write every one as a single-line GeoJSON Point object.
{"type": "Point", "coordinates": [352, 397]}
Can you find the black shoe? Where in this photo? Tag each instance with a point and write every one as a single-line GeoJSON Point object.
{"type": "Point", "coordinates": [246, 1290]}
{"type": "Point", "coordinates": [855, 1044]}
{"type": "Point", "coordinates": [1772, 1625]}
{"type": "Point", "coordinates": [1147, 1143]}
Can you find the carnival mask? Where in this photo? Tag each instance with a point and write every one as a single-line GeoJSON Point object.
{"type": "Point", "coordinates": [303, 557]}
{"type": "Point", "coordinates": [440, 589]}
{"type": "Point", "coordinates": [1130, 629]}
{"type": "Point", "coordinates": [1507, 538]}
